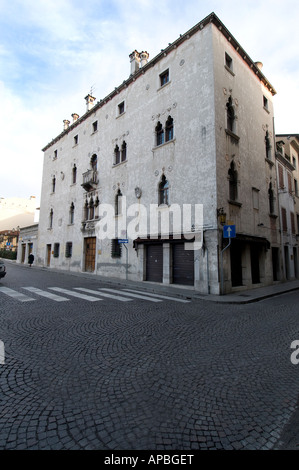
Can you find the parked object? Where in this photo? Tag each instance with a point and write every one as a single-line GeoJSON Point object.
{"type": "Point", "coordinates": [2, 269]}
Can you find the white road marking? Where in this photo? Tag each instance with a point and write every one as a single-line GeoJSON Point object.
{"type": "Point", "coordinates": [49, 295]}
{"type": "Point", "coordinates": [159, 296]}
{"type": "Point", "coordinates": [16, 295]}
{"type": "Point", "coordinates": [137, 296]}
{"type": "Point", "coordinates": [76, 294]}
{"type": "Point", "coordinates": [2, 353]}
{"type": "Point", "coordinates": [103, 294]}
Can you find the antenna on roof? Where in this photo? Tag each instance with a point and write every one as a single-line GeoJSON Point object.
{"type": "Point", "coordinates": [92, 88]}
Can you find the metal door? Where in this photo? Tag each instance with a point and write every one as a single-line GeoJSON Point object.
{"type": "Point", "coordinates": [182, 265]}
{"type": "Point", "coordinates": [154, 263]}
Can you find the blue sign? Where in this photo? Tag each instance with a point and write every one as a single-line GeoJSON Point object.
{"type": "Point", "coordinates": [124, 240]}
{"type": "Point", "coordinates": [229, 231]}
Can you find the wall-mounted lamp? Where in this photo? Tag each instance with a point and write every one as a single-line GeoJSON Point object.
{"type": "Point", "coordinates": [222, 215]}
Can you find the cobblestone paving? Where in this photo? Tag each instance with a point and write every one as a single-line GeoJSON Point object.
{"type": "Point", "coordinates": [147, 376]}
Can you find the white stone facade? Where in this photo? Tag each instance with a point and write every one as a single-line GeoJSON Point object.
{"type": "Point", "coordinates": [214, 153]}
{"type": "Point", "coordinates": [27, 243]}
{"type": "Point", "coordinates": [287, 163]}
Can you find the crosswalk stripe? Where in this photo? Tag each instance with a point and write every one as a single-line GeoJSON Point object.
{"type": "Point", "coordinates": [75, 294]}
{"type": "Point", "coordinates": [103, 294]}
{"type": "Point", "coordinates": [159, 296]}
{"type": "Point", "coordinates": [137, 296]}
{"type": "Point", "coordinates": [16, 295]}
{"type": "Point", "coordinates": [49, 295]}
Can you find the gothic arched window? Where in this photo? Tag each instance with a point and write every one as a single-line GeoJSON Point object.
{"type": "Point", "coordinates": [169, 129]}
{"type": "Point", "coordinates": [230, 115]}
{"type": "Point", "coordinates": [163, 191]}
{"type": "Point", "coordinates": [233, 182]}
{"type": "Point", "coordinates": [159, 134]}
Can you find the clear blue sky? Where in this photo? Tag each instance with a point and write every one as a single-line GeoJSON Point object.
{"type": "Point", "coordinates": [53, 51]}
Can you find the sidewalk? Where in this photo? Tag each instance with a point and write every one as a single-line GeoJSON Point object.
{"type": "Point", "coordinates": [242, 297]}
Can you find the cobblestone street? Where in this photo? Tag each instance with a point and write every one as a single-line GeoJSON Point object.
{"type": "Point", "coordinates": [136, 375]}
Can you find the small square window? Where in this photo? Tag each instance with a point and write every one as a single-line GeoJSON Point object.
{"type": "Point", "coordinates": [121, 108]}
{"type": "Point", "coordinates": [228, 62]}
{"type": "Point", "coordinates": [95, 126]}
{"type": "Point", "coordinates": [164, 78]}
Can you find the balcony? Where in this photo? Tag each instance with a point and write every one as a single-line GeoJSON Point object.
{"type": "Point", "coordinates": [90, 180]}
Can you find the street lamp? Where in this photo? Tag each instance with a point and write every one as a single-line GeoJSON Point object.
{"type": "Point", "coordinates": [222, 215]}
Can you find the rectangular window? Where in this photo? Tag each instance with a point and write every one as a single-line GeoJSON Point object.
{"type": "Point", "coordinates": [296, 187]}
{"type": "Point", "coordinates": [228, 62]}
{"type": "Point", "coordinates": [294, 161]}
{"type": "Point", "coordinates": [290, 183]}
{"type": "Point", "coordinates": [76, 139]}
{"type": "Point", "coordinates": [280, 177]}
{"type": "Point", "coordinates": [95, 126]}
{"type": "Point", "coordinates": [265, 102]}
{"type": "Point", "coordinates": [55, 154]}
{"type": "Point", "coordinates": [121, 108]}
{"type": "Point", "coordinates": [293, 223]}
{"type": "Point", "coordinates": [68, 249]}
{"type": "Point", "coordinates": [255, 198]}
{"type": "Point", "coordinates": [164, 78]}
{"type": "Point", "coordinates": [115, 248]}
{"type": "Point", "coordinates": [284, 219]}
{"type": "Point", "coordinates": [56, 250]}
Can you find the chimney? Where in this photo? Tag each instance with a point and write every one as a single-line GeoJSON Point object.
{"type": "Point", "coordinates": [75, 117]}
{"type": "Point", "coordinates": [144, 58]}
{"type": "Point", "coordinates": [66, 124]}
{"type": "Point", "coordinates": [259, 65]}
{"type": "Point", "coordinates": [135, 61]}
{"type": "Point", "coordinates": [89, 102]}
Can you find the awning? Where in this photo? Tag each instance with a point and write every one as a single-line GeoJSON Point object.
{"type": "Point", "coordinates": [243, 238]}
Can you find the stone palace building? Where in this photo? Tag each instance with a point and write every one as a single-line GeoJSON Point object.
{"type": "Point", "coordinates": [194, 126]}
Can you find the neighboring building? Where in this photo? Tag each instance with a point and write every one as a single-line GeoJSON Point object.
{"type": "Point", "coordinates": [192, 126]}
{"type": "Point", "coordinates": [27, 243]}
{"type": "Point", "coordinates": [17, 212]}
{"type": "Point", "coordinates": [287, 161]}
{"type": "Point", "coordinates": [9, 240]}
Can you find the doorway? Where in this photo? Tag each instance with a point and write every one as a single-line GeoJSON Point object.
{"type": "Point", "coordinates": [275, 263]}
{"type": "Point", "coordinates": [255, 264]}
{"type": "Point", "coordinates": [236, 264]}
{"type": "Point", "coordinates": [182, 265]}
{"type": "Point", "coordinates": [90, 254]}
{"type": "Point", "coordinates": [23, 253]}
{"type": "Point", "coordinates": [154, 263]}
{"type": "Point", "coordinates": [48, 255]}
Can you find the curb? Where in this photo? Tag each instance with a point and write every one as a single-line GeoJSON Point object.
{"type": "Point", "coordinates": [182, 292]}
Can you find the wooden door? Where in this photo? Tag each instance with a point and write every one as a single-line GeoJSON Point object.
{"type": "Point", "coordinates": [90, 253]}
{"type": "Point", "coordinates": [48, 255]}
